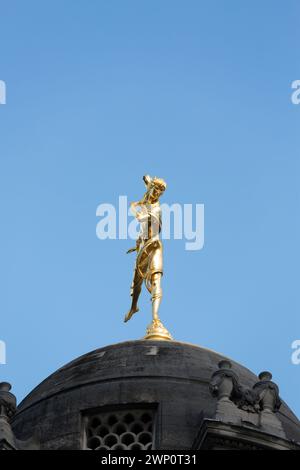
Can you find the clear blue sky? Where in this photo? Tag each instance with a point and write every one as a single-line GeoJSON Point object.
{"type": "Point", "coordinates": [100, 93]}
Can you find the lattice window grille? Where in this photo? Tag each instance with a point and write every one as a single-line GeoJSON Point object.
{"type": "Point", "coordinates": [121, 429]}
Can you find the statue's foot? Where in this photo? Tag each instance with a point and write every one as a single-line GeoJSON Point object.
{"type": "Point", "coordinates": [130, 313]}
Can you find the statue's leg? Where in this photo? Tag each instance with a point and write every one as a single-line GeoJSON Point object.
{"type": "Point", "coordinates": [136, 288]}
{"type": "Point", "coordinates": [156, 294]}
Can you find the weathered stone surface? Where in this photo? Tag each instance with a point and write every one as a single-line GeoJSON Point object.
{"type": "Point", "coordinates": [8, 440]}
{"type": "Point", "coordinates": [256, 406]}
{"type": "Point", "coordinates": [217, 435]}
{"type": "Point", "coordinates": [172, 376]}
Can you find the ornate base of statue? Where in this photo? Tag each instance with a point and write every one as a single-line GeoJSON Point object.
{"type": "Point", "coordinates": [157, 331]}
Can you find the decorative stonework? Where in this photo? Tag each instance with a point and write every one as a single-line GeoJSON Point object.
{"type": "Point", "coordinates": [256, 406]}
{"type": "Point", "coordinates": [224, 382]}
{"type": "Point", "coordinates": [120, 430]}
{"type": "Point", "coordinates": [8, 440]}
{"type": "Point", "coordinates": [267, 393]}
{"type": "Point", "coordinates": [217, 435]}
{"type": "Point", "coordinates": [7, 401]}
{"type": "Point", "coordinates": [7, 410]}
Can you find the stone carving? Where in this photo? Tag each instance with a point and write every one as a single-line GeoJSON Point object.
{"type": "Point", "coordinates": [7, 401]}
{"type": "Point", "coordinates": [225, 385]}
{"type": "Point", "coordinates": [256, 406]}
{"type": "Point", "coordinates": [7, 410]}
{"type": "Point", "coordinates": [263, 396]}
{"type": "Point", "coordinates": [224, 382]}
{"type": "Point", "coordinates": [8, 440]}
{"type": "Point", "coordinates": [267, 393]}
{"type": "Point", "coordinates": [246, 399]}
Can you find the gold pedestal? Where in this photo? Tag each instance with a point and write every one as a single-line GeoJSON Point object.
{"type": "Point", "coordinates": [157, 331]}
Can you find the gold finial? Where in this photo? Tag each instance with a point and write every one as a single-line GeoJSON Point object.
{"type": "Point", "coordinates": [149, 258]}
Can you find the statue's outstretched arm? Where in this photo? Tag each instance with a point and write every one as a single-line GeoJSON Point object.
{"type": "Point", "coordinates": [137, 246]}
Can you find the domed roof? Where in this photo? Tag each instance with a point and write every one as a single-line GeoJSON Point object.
{"type": "Point", "coordinates": [171, 378]}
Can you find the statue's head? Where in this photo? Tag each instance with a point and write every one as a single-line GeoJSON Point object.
{"type": "Point", "coordinates": [155, 188]}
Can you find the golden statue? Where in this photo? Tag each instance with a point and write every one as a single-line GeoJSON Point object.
{"type": "Point", "coordinates": [149, 258]}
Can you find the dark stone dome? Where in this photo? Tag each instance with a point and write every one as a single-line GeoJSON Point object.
{"type": "Point", "coordinates": [168, 378]}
